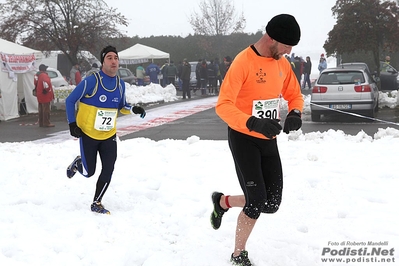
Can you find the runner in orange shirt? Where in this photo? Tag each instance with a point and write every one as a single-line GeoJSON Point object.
{"type": "Point", "coordinates": [249, 102]}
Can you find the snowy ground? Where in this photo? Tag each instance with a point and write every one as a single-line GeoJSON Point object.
{"type": "Point", "coordinates": [337, 188]}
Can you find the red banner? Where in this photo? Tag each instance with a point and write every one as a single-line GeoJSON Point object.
{"type": "Point", "coordinates": [17, 63]}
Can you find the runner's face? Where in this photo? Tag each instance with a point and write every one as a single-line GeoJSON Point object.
{"type": "Point", "coordinates": [111, 64]}
{"type": "Point", "coordinates": [277, 50]}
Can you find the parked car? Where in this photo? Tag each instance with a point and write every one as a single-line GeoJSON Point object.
{"type": "Point", "coordinates": [57, 79]}
{"type": "Point", "coordinates": [350, 89]}
{"type": "Point", "coordinates": [127, 76]}
{"type": "Point", "coordinates": [388, 75]}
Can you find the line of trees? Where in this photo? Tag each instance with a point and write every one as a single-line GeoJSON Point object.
{"type": "Point", "coordinates": [364, 28]}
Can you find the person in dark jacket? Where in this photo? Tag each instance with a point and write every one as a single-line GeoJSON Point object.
{"type": "Point", "coordinates": [203, 77]}
{"type": "Point", "coordinates": [197, 75]}
{"type": "Point", "coordinates": [218, 75]}
{"type": "Point", "coordinates": [179, 79]}
{"type": "Point", "coordinates": [306, 71]}
{"type": "Point", "coordinates": [297, 69]}
{"type": "Point", "coordinates": [164, 68]}
{"type": "Point", "coordinates": [211, 77]}
{"type": "Point", "coordinates": [227, 62]}
{"type": "Point", "coordinates": [185, 77]}
{"type": "Point", "coordinates": [171, 73]}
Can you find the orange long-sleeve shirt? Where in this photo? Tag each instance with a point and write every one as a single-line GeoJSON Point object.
{"type": "Point", "coordinates": [250, 78]}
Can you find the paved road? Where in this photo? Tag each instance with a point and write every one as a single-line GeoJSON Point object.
{"type": "Point", "coordinates": [205, 124]}
{"type": "Point", "coordinates": [25, 128]}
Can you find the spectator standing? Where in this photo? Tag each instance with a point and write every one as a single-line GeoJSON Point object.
{"type": "Point", "coordinates": [307, 70]}
{"type": "Point", "coordinates": [388, 59]}
{"type": "Point", "coordinates": [302, 67]}
{"type": "Point", "coordinates": [153, 71]}
{"type": "Point", "coordinates": [297, 68]}
{"type": "Point", "coordinates": [100, 97]}
{"type": "Point", "coordinates": [198, 75]}
{"type": "Point", "coordinates": [171, 73]}
{"type": "Point", "coordinates": [227, 63]}
{"type": "Point", "coordinates": [218, 75]}
{"type": "Point", "coordinates": [249, 104]}
{"type": "Point", "coordinates": [44, 95]}
{"type": "Point", "coordinates": [74, 74]}
{"type": "Point", "coordinates": [94, 69]}
{"type": "Point", "coordinates": [211, 77]}
{"type": "Point", "coordinates": [185, 76]}
{"type": "Point", "coordinates": [292, 58]}
{"type": "Point", "coordinates": [203, 77]}
{"type": "Point", "coordinates": [140, 74]}
{"type": "Point", "coordinates": [322, 63]}
{"type": "Point", "coordinates": [163, 72]}
{"type": "Point", "coordinates": [179, 70]}
{"type": "Point", "coordinates": [386, 65]}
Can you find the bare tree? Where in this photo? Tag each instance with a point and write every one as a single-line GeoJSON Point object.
{"type": "Point", "coordinates": [66, 25]}
{"type": "Point", "coordinates": [217, 17]}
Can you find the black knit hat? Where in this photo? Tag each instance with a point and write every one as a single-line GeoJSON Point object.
{"type": "Point", "coordinates": [105, 51]}
{"type": "Point", "coordinates": [285, 29]}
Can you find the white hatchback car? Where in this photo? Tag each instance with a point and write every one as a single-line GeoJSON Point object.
{"type": "Point", "coordinates": [57, 80]}
{"type": "Point", "coordinates": [347, 89]}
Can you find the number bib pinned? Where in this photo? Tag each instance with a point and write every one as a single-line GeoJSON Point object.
{"type": "Point", "coordinates": [105, 120]}
{"type": "Point", "coordinates": [266, 108]}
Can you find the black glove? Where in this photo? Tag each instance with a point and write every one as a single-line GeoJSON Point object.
{"type": "Point", "coordinates": [266, 126]}
{"type": "Point", "coordinates": [139, 110]}
{"type": "Point", "coordinates": [293, 121]}
{"type": "Point", "coordinates": [75, 130]}
{"type": "Point", "coordinates": [45, 91]}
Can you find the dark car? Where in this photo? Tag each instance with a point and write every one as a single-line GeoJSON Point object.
{"type": "Point", "coordinates": [348, 89]}
{"type": "Point", "coordinates": [388, 75]}
{"type": "Point", "coordinates": [127, 76]}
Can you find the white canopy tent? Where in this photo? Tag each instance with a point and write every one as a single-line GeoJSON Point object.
{"type": "Point", "coordinates": [18, 67]}
{"type": "Point", "coordinates": [139, 53]}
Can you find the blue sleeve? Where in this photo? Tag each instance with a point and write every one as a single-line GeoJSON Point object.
{"type": "Point", "coordinates": [85, 87]}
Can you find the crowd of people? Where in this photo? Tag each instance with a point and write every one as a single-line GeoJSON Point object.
{"type": "Point", "coordinates": [208, 74]}
{"type": "Point", "coordinates": [303, 68]}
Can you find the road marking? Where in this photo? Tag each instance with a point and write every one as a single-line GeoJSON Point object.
{"type": "Point", "coordinates": [163, 115]}
{"type": "Point", "coordinates": [155, 117]}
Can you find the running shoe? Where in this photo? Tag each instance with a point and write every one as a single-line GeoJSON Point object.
{"type": "Point", "coordinates": [73, 167]}
{"type": "Point", "coordinates": [99, 208]}
{"type": "Point", "coordinates": [241, 260]}
{"type": "Point", "coordinates": [218, 211]}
